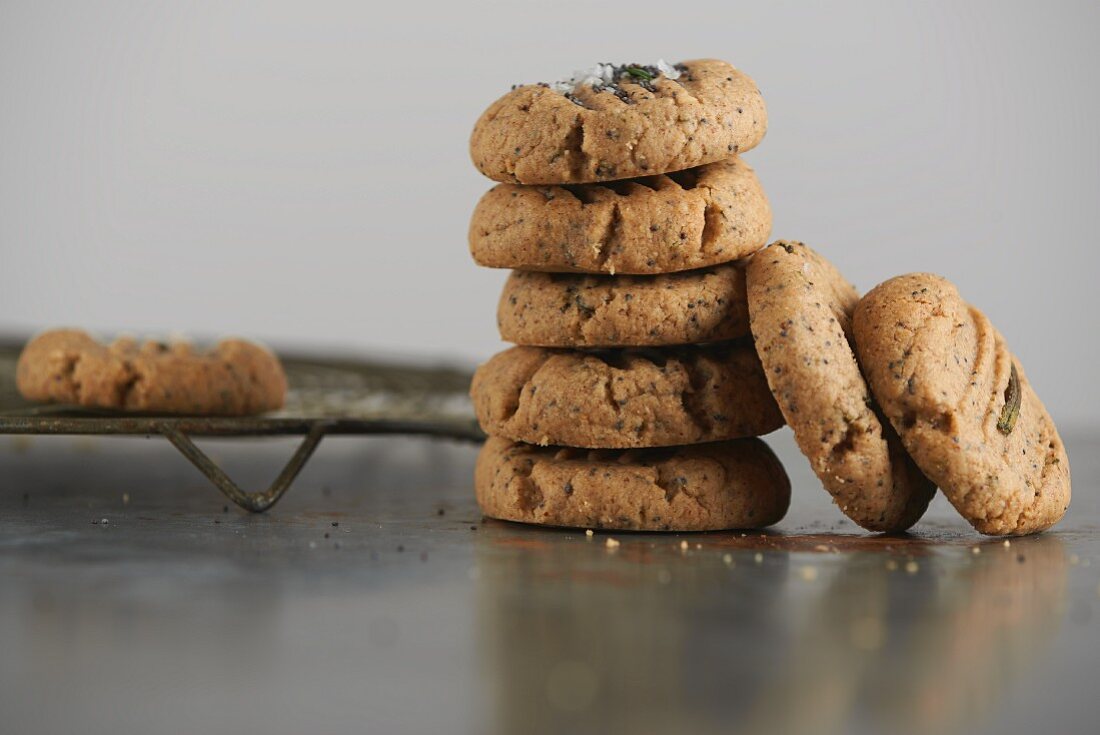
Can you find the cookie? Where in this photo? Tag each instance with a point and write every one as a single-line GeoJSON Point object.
{"type": "Point", "coordinates": [706, 487]}
{"type": "Point", "coordinates": [800, 312]}
{"type": "Point", "coordinates": [619, 122]}
{"type": "Point", "coordinates": [690, 219]}
{"type": "Point", "coordinates": [235, 378]}
{"type": "Point", "coordinates": [566, 310]}
{"type": "Point", "coordinates": [619, 399]}
{"type": "Point", "coordinates": [962, 405]}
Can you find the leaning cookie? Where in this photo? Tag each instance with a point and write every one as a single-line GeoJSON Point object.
{"type": "Point", "coordinates": [962, 405]}
{"type": "Point", "coordinates": [234, 378]}
{"type": "Point", "coordinates": [691, 219]}
{"type": "Point", "coordinates": [569, 310]}
{"type": "Point", "coordinates": [619, 399]}
{"type": "Point", "coordinates": [706, 487]}
{"type": "Point", "coordinates": [618, 122]}
{"type": "Point", "coordinates": [800, 309]}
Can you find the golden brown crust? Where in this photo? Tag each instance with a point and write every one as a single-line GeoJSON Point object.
{"type": "Point", "coordinates": [235, 378]}
{"type": "Point", "coordinates": [942, 375]}
{"type": "Point", "coordinates": [622, 399]}
{"type": "Point", "coordinates": [692, 219]}
{"type": "Point", "coordinates": [569, 310]}
{"type": "Point", "coordinates": [535, 135]}
{"type": "Point", "coordinates": [801, 308]}
{"type": "Point", "coordinates": [705, 487]}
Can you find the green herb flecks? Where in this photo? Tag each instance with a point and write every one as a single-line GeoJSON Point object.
{"type": "Point", "coordinates": [639, 73]}
{"type": "Point", "coordinates": [1011, 410]}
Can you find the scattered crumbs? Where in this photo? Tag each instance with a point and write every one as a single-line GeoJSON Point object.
{"type": "Point", "coordinates": [683, 546]}
{"type": "Point", "coordinates": [744, 535]}
{"type": "Point", "coordinates": [612, 543]}
{"type": "Point", "coordinates": [891, 565]}
{"type": "Point", "coordinates": [728, 559]}
{"type": "Point", "coordinates": [335, 524]}
{"type": "Point", "coordinates": [911, 567]}
{"type": "Point", "coordinates": [808, 574]}
{"type": "Point", "coordinates": [698, 546]}
{"type": "Point", "coordinates": [473, 528]}
{"type": "Point", "coordinates": [105, 521]}
{"type": "Point", "coordinates": [664, 576]}
{"type": "Point", "coordinates": [126, 498]}
{"type": "Point", "coordinates": [821, 547]}
{"type": "Point", "coordinates": [1007, 543]}
{"type": "Point", "coordinates": [976, 550]}
{"type": "Point", "coordinates": [589, 533]}
{"type": "Point", "coordinates": [440, 511]}
{"type": "Point", "coordinates": [1021, 558]}
{"type": "Point", "coordinates": [313, 544]}
{"type": "Point", "coordinates": [326, 534]}
{"type": "Point", "coordinates": [759, 558]}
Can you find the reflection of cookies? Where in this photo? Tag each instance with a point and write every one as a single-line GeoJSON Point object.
{"type": "Point", "coordinates": [235, 378]}
{"type": "Point", "coordinates": [692, 219]}
{"type": "Point", "coordinates": [624, 398]}
{"type": "Point", "coordinates": [626, 124]}
{"type": "Point", "coordinates": [962, 405]}
{"type": "Point", "coordinates": [735, 484]}
{"type": "Point", "coordinates": [801, 309]}
{"type": "Point", "coordinates": [566, 310]}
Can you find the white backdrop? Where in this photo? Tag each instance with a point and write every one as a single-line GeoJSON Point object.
{"type": "Point", "coordinates": [298, 172]}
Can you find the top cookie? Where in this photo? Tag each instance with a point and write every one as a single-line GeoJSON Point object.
{"type": "Point", "coordinates": [962, 405]}
{"type": "Point", "coordinates": [235, 378]}
{"type": "Point", "coordinates": [619, 122]}
{"type": "Point", "coordinates": [799, 311]}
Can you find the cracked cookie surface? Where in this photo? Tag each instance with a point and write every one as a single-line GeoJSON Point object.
{"type": "Point", "coordinates": [536, 135]}
{"type": "Point", "coordinates": [624, 398]}
{"type": "Point", "coordinates": [962, 404]}
{"type": "Point", "coordinates": [234, 378]}
{"type": "Point", "coordinates": [569, 310]}
{"type": "Point", "coordinates": [660, 224]}
{"type": "Point", "coordinates": [800, 308]}
{"type": "Point", "coordinates": [704, 487]}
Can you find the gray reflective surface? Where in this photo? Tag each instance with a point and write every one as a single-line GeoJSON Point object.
{"type": "Point", "coordinates": [367, 603]}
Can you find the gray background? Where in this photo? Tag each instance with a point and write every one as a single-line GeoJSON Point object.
{"type": "Point", "coordinates": [298, 171]}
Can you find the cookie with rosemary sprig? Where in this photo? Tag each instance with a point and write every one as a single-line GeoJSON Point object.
{"type": "Point", "coordinates": [619, 121]}
{"type": "Point", "coordinates": [963, 406]}
{"type": "Point", "coordinates": [705, 487]}
{"type": "Point", "coordinates": [689, 219]}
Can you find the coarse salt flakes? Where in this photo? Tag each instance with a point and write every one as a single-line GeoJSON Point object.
{"type": "Point", "coordinates": [609, 75]}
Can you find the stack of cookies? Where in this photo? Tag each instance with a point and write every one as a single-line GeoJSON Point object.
{"type": "Point", "coordinates": [634, 396]}
{"type": "Point", "coordinates": [657, 337]}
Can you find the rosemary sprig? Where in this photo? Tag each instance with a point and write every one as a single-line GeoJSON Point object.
{"type": "Point", "coordinates": [1011, 410]}
{"type": "Point", "coordinates": [639, 73]}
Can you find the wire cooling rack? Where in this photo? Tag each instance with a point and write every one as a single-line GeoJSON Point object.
{"type": "Point", "coordinates": [326, 396]}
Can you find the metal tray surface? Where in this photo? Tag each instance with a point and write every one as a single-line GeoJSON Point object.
{"type": "Point", "coordinates": [326, 396]}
